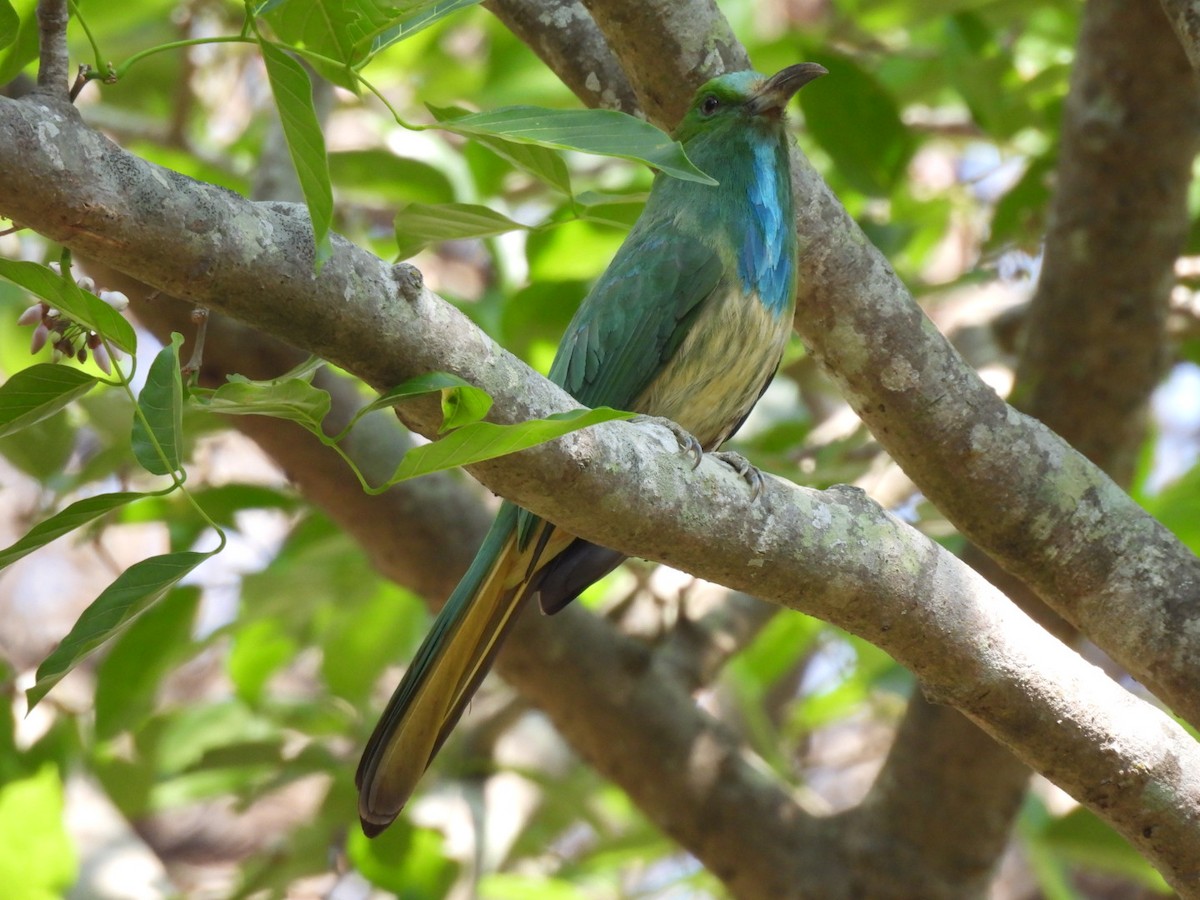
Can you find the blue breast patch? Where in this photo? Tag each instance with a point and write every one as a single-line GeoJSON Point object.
{"type": "Point", "coordinates": [763, 264]}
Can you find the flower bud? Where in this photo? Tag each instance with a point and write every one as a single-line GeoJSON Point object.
{"type": "Point", "coordinates": [40, 333]}
{"type": "Point", "coordinates": [32, 315]}
{"type": "Point", "coordinates": [100, 355]}
{"type": "Point", "coordinates": [115, 299]}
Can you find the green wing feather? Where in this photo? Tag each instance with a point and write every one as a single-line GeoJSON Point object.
{"type": "Point", "coordinates": [636, 315]}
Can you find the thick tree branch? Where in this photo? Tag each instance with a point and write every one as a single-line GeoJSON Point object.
{"type": "Point", "coordinates": [862, 569]}
{"type": "Point", "coordinates": [1096, 342]}
{"type": "Point", "coordinates": [563, 34]}
{"type": "Point", "coordinates": [667, 49]}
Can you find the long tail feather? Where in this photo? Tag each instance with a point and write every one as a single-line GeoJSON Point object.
{"type": "Point", "coordinates": [449, 666]}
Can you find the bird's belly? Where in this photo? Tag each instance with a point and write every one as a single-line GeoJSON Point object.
{"type": "Point", "coordinates": [720, 369]}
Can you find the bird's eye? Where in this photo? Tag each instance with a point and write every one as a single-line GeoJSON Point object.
{"type": "Point", "coordinates": [709, 105]}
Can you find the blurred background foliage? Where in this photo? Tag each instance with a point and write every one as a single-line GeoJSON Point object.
{"type": "Point", "coordinates": [209, 750]}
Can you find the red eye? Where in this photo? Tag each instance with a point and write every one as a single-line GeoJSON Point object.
{"type": "Point", "coordinates": [709, 105]}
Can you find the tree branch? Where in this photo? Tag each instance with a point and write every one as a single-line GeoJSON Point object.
{"type": "Point", "coordinates": [1096, 342]}
{"type": "Point", "coordinates": [563, 34]}
{"type": "Point", "coordinates": [667, 49]}
{"type": "Point", "coordinates": [54, 62]}
{"type": "Point", "coordinates": [1184, 16]}
{"type": "Point", "coordinates": [1005, 480]}
{"type": "Point", "coordinates": [863, 570]}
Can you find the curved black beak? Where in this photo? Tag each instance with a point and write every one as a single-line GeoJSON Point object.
{"type": "Point", "coordinates": [774, 93]}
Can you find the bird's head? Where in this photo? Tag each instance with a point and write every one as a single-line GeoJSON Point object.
{"type": "Point", "coordinates": [744, 97]}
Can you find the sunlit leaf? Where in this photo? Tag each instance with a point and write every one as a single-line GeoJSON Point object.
{"type": "Point", "coordinates": [22, 46]}
{"type": "Point", "coordinates": [306, 142]}
{"type": "Point", "coordinates": [38, 859]}
{"type": "Point", "coordinates": [9, 23]}
{"type": "Point", "coordinates": [462, 402]}
{"type": "Point", "coordinates": [37, 393]}
{"type": "Point", "coordinates": [410, 17]}
{"type": "Point", "coordinates": [158, 432]}
{"type": "Point", "coordinates": [407, 860]}
{"type": "Point", "coordinates": [294, 399]}
{"type": "Point", "coordinates": [603, 132]}
{"type": "Point", "coordinates": [134, 591]}
{"type": "Point", "coordinates": [1082, 837]}
{"type": "Point", "coordinates": [259, 650]}
{"type": "Point", "coordinates": [487, 440]}
{"type": "Point", "coordinates": [350, 31]}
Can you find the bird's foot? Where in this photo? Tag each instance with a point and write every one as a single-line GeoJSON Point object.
{"type": "Point", "coordinates": [687, 441]}
{"type": "Point", "coordinates": [743, 467]}
{"type": "Point", "coordinates": [692, 447]}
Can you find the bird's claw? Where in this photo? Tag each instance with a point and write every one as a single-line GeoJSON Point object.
{"type": "Point", "coordinates": [687, 441]}
{"type": "Point", "coordinates": [743, 467]}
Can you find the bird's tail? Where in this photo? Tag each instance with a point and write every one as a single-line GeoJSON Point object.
{"type": "Point", "coordinates": [448, 667]}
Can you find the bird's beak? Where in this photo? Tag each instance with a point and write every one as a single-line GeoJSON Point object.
{"type": "Point", "coordinates": [774, 93]}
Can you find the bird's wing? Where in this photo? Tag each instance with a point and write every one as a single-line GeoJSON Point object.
{"type": "Point", "coordinates": [635, 316]}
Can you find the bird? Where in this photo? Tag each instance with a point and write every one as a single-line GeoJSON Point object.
{"type": "Point", "coordinates": [687, 325]}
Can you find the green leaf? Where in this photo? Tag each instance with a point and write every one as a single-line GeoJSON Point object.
{"type": "Point", "coordinates": [306, 143]}
{"type": "Point", "coordinates": [541, 162]}
{"type": "Point", "coordinates": [65, 521]}
{"type": "Point", "coordinates": [603, 132]}
{"type": "Point", "coordinates": [22, 49]}
{"type": "Point", "coordinates": [351, 31]}
{"type": "Point", "coordinates": [128, 679]}
{"type": "Point", "coordinates": [38, 860]}
{"type": "Point", "coordinates": [158, 430]}
{"type": "Point", "coordinates": [411, 18]}
{"type": "Point", "coordinates": [420, 224]}
{"type": "Point", "coordinates": [487, 440]}
{"type": "Point", "coordinates": [259, 650]}
{"type": "Point", "coordinates": [462, 402]}
{"type": "Point", "coordinates": [133, 592]}
{"type": "Point", "coordinates": [71, 300]}
{"type": "Point", "coordinates": [39, 392]}
{"type": "Point", "coordinates": [323, 28]}
{"type": "Point", "coordinates": [857, 121]}
{"type": "Point", "coordinates": [463, 405]}
{"type": "Point", "coordinates": [408, 861]}
{"type": "Point", "coordinates": [293, 399]}
{"type": "Point", "coordinates": [10, 23]}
